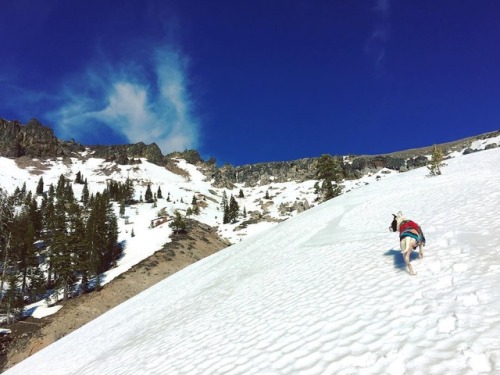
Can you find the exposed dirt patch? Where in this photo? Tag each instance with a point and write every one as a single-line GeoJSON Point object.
{"type": "Point", "coordinates": [32, 335]}
{"type": "Point", "coordinates": [35, 166]}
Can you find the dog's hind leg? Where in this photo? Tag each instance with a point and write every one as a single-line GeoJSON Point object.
{"type": "Point", "coordinates": [408, 264]}
{"type": "Point", "coordinates": [407, 248]}
{"type": "Point", "coordinates": [420, 251]}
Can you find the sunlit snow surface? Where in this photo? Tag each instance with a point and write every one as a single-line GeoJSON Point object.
{"type": "Point", "coordinates": [325, 292]}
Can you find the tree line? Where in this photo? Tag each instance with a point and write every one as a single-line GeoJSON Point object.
{"type": "Point", "coordinates": [52, 241]}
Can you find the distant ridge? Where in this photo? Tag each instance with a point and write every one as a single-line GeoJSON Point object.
{"type": "Point", "coordinates": [38, 141]}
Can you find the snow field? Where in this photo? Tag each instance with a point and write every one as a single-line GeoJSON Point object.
{"type": "Point", "coordinates": [325, 292]}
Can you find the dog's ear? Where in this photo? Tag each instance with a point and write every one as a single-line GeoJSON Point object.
{"type": "Point", "coordinates": [394, 216]}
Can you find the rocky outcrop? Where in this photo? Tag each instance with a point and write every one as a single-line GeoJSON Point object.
{"type": "Point", "coordinates": [127, 154]}
{"type": "Point", "coordinates": [262, 173]}
{"type": "Point", "coordinates": [32, 140]}
{"type": "Point", "coordinates": [353, 166]}
{"type": "Point", "coordinates": [36, 140]}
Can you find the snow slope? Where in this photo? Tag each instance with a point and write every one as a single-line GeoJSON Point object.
{"type": "Point", "coordinates": [325, 292]}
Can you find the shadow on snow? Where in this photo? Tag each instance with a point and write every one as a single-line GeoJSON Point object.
{"type": "Point", "coordinates": [399, 261]}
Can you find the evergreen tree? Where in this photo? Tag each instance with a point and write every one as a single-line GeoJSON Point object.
{"type": "Point", "coordinates": [241, 195]}
{"type": "Point", "coordinates": [69, 196]}
{"type": "Point", "coordinates": [85, 194]}
{"type": "Point", "coordinates": [194, 201]}
{"type": "Point", "coordinates": [234, 209]}
{"type": "Point", "coordinates": [267, 195]}
{"type": "Point", "coordinates": [223, 203]}
{"type": "Point", "coordinates": [226, 218]}
{"type": "Point", "coordinates": [128, 191]}
{"type": "Point", "coordinates": [39, 186]}
{"type": "Point", "coordinates": [22, 245]}
{"type": "Point", "coordinates": [61, 260]}
{"type": "Point", "coordinates": [79, 178]}
{"type": "Point", "coordinates": [329, 169]}
{"type": "Point", "coordinates": [13, 301]}
{"type": "Point", "coordinates": [159, 194]}
{"type": "Point", "coordinates": [36, 289]}
{"type": "Point", "coordinates": [23, 191]}
{"type": "Point", "coordinates": [148, 196]}
{"type": "Point", "coordinates": [60, 188]}
{"type": "Point", "coordinates": [436, 161]}
{"type": "Point", "coordinates": [178, 225]}
{"type": "Point", "coordinates": [101, 237]}
{"type": "Point", "coordinates": [52, 191]}
{"type": "Point", "coordinates": [6, 220]}
{"type": "Point", "coordinates": [122, 208]}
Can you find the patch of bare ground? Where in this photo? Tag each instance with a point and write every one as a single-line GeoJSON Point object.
{"type": "Point", "coordinates": [34, 166]}
{"type": "Point", "coordinates": [32, 335]}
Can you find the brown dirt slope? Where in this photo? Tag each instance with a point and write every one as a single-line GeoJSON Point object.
{"type": "Point", "coordinates": [32, 335]}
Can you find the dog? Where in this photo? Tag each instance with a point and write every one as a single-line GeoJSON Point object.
{"type": "Point", "coordinates": [410, 236]}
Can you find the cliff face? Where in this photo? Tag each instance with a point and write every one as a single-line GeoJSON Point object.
{"type": "Point", "coordinates": [32, 140]}
{"type": "Point", "coordinates": [38, 141]}
{"type": "Point", "coordinates": [125, 154]}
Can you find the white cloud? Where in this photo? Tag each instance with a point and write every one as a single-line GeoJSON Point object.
{"type": "Point", "coordinates": [154, 109]}
{"type": "Point", "coordinates": [375, 46]}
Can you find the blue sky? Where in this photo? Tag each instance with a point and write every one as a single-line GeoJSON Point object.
{"type": "Point", "coordinates": [254, 81]}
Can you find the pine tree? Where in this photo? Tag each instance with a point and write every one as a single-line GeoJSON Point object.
{"type": "Point", "coordinates": [436, 162]}
{"type": "Point", "coordinates": [23, 191]}
{"type": "Point", "coordinates": [60, 188]}
{"type": "Point", "coordinates": [79, 178]}
{"type": "Point", "coordinates": [122, 208]}
{"type": "Point", "coordinates": [226, 218]}
{"type": "Point", "coordinates": [13, 301]}
{"type": "Point", "coordinates": [39, 187]}
{"type": "Point", "coordinates": [51, 192]}
{"type": "Point", "coordinates": [148, 196]}
{"type": "Point", "coordinates": [329, 169]}
{"type": "Point", "coordinates": [22, 244]}
{"type": "Point", "coordinates": [6, 220]}
{"type": "Point", "coordinates": [36, 289]}
{"type": "Point", "coordinates": [129, 191]}
{"type": "Point", "coordinates": [85, 194]}
{"type": "Point", "coordinates": [234, 209]}
{"type": "Point", "coordinates": [178, 225]}
{"type": "Point", "coordinates": [223, 203]}
{"type": "Point", "coordinates": [241, 195]}
{"type": "Point", "coordinates": [158, 193]}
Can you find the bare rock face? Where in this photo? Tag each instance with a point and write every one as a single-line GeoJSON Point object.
{"type": "Point", "coordinates": [126, 154]}
{"type": "Point", "coordinates": [32, 140]}
{"type": "Point", "coordinates": [264, 173]}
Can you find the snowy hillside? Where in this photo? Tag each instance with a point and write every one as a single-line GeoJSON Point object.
{"type": "Point", "coordinates": [325, 292]}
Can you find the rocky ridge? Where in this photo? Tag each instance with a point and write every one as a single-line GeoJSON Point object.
{"type": "Point", "coordinates": [38, 141]}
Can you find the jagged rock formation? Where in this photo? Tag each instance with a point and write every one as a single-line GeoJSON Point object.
{"type": "Point", "coordinates": [126, 154]}
{"type": "Point", "coordinates": [33, 140]}
{"type": "Point", "coordinates": [36, 140]}
{"type": "Point", "coordinates": [354, 166]}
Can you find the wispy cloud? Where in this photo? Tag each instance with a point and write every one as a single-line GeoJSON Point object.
{"type": "Point", "coordinates": [146, 100]}
{"type": "Point", "coordinates": [375, 46]}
